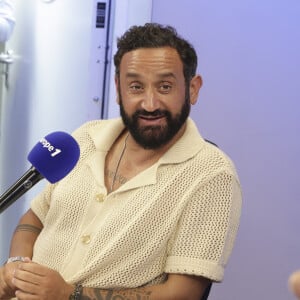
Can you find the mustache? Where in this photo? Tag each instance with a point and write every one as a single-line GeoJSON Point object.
{"type": "Point", "coordinates": [156, 113]}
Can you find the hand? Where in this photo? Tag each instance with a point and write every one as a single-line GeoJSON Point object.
{"type": "Point", "coordinates": [294, 283]}
{"type": "Point", "coordinates": [34, 281]}
{"type": "Point", "coordinates": [7, 289]}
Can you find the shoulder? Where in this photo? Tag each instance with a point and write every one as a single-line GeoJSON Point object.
{"type": "Point", "coordinates": [88, 131]}
{"type": "Point", "coordinates": [97, 134]}
{"type": "Point", "coordinates": [211, 161]}
{"type": "Point", "coordinates": [85, 135]}
{"type": "Point", "coordinates": [85, 127]}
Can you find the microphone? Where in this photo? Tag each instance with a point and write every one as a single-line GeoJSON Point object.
{"type": "Point", "coordinates": [53, 157]}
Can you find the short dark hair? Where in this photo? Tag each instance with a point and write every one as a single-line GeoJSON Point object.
{"type": "Point", "coordinates": [153, 35]}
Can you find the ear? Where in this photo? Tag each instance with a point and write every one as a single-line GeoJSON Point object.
{"type": "Point", "coordinates": [195, 85]}
{"type": "Point", "coordinates": [117, 89]}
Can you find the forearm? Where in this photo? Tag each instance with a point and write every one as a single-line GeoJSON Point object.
{"type": "Point", "coordinates": [25, 235]}
{"type": "Point", "coordinates": [21, 245]}
{"type": "Point", "coordinates": [146, 293]}
{"type": "Point", "coordinates": [176, 287]}
{"type": "Point", "coordinates": [35, 281]}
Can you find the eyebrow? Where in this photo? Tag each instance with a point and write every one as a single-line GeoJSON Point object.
{"type": "Point", "coordinates": [162, 75]}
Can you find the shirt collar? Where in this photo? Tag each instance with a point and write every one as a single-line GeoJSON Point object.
{"type": "Point", "coordinates": [187, 146]}
{"type": "Point", "coordinates": [108, 132]}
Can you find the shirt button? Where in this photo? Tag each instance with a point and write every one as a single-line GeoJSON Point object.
{"type": "Point", "coordinates": [100, 198]}
{"type": "Point", "coordinates": [86, 239]}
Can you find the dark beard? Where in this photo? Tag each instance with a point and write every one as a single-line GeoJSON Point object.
{"type": "Point", "coordinates": [154, 137]}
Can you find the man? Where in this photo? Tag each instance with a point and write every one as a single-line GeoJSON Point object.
{"type": "Point", "coordinates": [151, 210]}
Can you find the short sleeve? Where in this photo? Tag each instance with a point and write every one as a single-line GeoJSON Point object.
{"type": "Point", "coordinates": [207, 229]}
{"type": "Point", "coordinates": [40, 204]}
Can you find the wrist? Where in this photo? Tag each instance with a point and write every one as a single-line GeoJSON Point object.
{"type": "Point", "coordinates": [76, 293]}
{"type": "Point", "coordinates": [68, 290]}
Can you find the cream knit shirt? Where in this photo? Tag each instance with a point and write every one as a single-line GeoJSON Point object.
{"type": "Point", "coordinates": [181, 215]}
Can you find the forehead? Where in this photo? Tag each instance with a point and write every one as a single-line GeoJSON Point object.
{"type": "Point", "coordinates": [151, 60]}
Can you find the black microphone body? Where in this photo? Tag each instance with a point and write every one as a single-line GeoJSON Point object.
{"type": "Point", "coordinates": [53, 157]}
{"type": "Point", "coordinates": [25, 183]}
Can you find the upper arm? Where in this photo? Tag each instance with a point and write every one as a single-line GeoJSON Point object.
{"type": "Point", "coordinates": [31, 218]}
{"type": "Point", "coordinates": [206, 232]}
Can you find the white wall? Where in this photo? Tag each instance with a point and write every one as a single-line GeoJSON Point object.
{"type": "Point", "coordinates": [249, 57]}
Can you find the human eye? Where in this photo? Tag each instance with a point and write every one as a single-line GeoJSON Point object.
{"type": "Point", "coordinates": [165, 87]}
{"type": "Point", "coordinates": [135, 87]}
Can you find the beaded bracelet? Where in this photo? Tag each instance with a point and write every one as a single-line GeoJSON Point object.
{"type": "Point", "coordinates": [15, 258]}
{"type": "Point", "coordinates": [77, 293]}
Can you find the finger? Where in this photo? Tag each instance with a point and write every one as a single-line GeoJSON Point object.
{"type": "Point", "coordinates": [27, 290]}
{"type": "Point", "coordinates": [21, 295]}
{"type": "Point", "coordinates": [6, 292]}
{"type": "Point", "coordinates": [26, 276]}
{"type": "Point", "coordinates": [8, 272]}
{"type": "Point", "coordinates": [33, 268]}
{"type": "Point", "coordinates": [25, 286]}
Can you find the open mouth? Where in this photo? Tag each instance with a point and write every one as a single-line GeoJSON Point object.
{"type": "Point", "coordinates": [152, 120]}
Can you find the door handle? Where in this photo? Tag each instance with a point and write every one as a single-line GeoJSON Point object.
{"type": "Point", "coordinates": [6, 58]}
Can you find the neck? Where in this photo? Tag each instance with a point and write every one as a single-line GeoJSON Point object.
{"type": "Point", "coordinates": [115, 172]}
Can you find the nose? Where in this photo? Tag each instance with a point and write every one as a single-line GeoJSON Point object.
{"type": "Point", "coordinates": [150, 101]}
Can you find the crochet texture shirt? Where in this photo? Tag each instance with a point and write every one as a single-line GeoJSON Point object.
{"type": "Point", "coordinates": [181, 215]}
